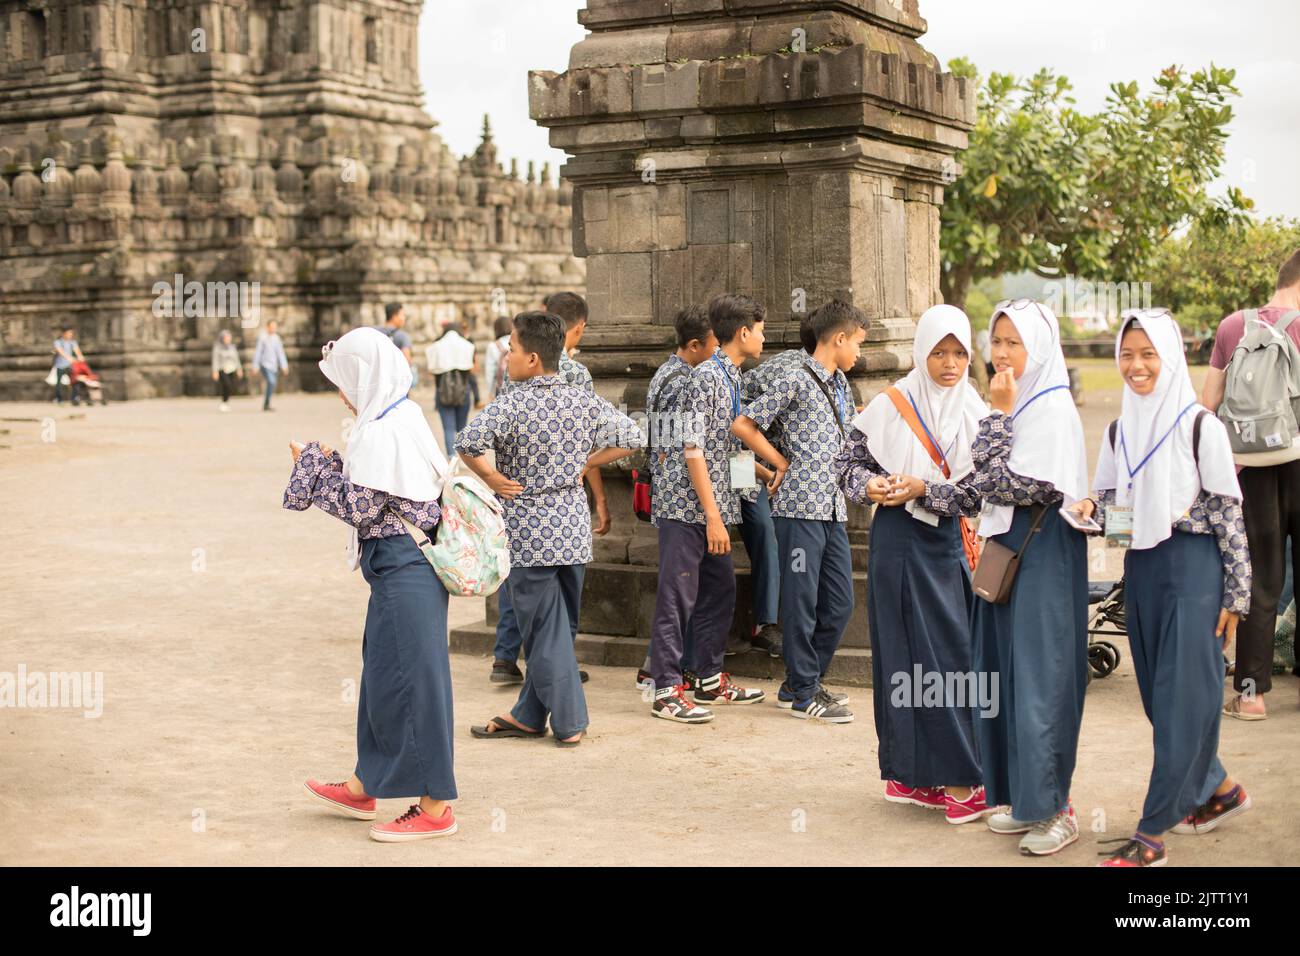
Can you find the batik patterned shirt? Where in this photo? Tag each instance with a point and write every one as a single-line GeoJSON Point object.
{"type": "Point", "coordinates": [664, 448]}
{"type": "Point", "coordinates": [760, 378]}
{"type": "Point", "coordinates": [808, 429]}
{"type": "Point", "coordinates": [1222, 517]}
{"type": "Point", "coordinates": [708, 404]}
{"type": "Point", "coordinates": [855, 466]}
{"type": "Point", "coordinates": [318, 480]}
{"type": "Point", "coordinates": [996, 483]}
{"type": "Point", "coordinates": [543, 432]}
{"type": "Point", "coordinates": [570, 371]}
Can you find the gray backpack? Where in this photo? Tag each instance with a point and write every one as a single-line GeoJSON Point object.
{"type": "Point", "coordinates": [1261, 397]}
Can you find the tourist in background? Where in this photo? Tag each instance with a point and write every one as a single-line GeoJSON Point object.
{"type": "Point", "coordinates": [226, 366]}
{"type": "Point", "coordinates": [452, 365]}
{"type": "Point", "coordinates": [495, 360]}
{"type": "Point", "coordinates": [269, 361]}
{"type": "Point", "coordinates": [66, 351]}
{"type": "Point", "coordinates": [395, 328]}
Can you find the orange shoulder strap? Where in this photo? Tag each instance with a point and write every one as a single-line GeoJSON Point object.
{"type": "Point", "coordinates": [908, 414]}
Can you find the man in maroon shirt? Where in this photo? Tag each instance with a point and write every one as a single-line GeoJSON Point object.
{"type": "Point", "coordinates": [1270, 489]}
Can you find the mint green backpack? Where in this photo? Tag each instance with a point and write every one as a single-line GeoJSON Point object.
{"type": "Point", "coordinates": [469, 551]}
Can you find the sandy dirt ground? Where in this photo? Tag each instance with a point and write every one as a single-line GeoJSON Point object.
{"type": "Point", "coordinates": [147, 543]}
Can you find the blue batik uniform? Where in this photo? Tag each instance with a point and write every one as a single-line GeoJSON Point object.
{"type": "Point", "coordinates": [805, 413]}
{"type": "Point", "coordinates": [543, 431]}
{"type": "Point", "coordinates": [1035, 646]}
{"type": "Point", "coordinates": [509, 639]}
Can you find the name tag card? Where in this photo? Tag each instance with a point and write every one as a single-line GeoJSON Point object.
{"type": "Point", "coordinates": [742, 471]}
{"type": "Point", "coordinates": [1119, 527]}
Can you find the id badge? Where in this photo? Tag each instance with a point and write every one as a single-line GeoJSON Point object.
{"type": "Point", "coordinates": [914, 508]}
{"type": "Point", "coordinates": [1119, 527]}
{"type": "Point", "coordinates": [742, 471]}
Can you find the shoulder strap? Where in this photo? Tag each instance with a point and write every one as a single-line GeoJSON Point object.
{"type": "Point", "coordinates": [1114, 428]}
{"type": "Point", "coordinates": [835, 411]}
{"type": "Point", "coordinates": [1196, 436]}
{"type": "Point", "coordinates": [908, 414]}
{"type": "Point", "coordinates": [1284, 323]}
{"type": "Point", "coordinates": [675, 374]}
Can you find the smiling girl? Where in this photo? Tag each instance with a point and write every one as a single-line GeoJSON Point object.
{"type": "Point", "coordinates": [1168, 490]}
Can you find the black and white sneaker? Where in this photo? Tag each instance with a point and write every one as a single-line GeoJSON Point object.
{"type": "Point", "coordinates": [768, 638]}
{"type": "Point", "coordinates": [671, 703]}
{"type": "Point", "coordinates": [821, 706]}
{"type": "Point", "coordinates": [720, 689]}
{"type": "Point", "coordinates": [785, 697]}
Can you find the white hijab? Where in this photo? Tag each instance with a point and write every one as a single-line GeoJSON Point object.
{"type": "Point", "coordinates": [952, 414]}
{"type": "Point", "coordinates": [1047, 438]}
{"type": "Point", "coordinates": [1167, 485]}
{"type": "Point", "coordinates": [391, 448]}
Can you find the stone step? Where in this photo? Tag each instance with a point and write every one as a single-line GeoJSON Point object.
{"type": "Point", "coordinates": [851, 666]}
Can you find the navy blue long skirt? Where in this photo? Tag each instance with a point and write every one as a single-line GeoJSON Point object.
{"type": "Point", "coordinates": [1172, 596]}
{"type": "Point", "coordinates": [1035, 649]}
{"type": "Point", "coordinates": [404, 715]}
{"type": "Point", "coordinates": [918, 608]}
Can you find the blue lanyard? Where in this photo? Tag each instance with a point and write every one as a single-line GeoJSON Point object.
{"type": "Point", "coordinates": [390, 408]}
{"type": "Point", "coordinates": [919, 417]}
{"type": "Point", "coordinates": [1054, 388]}
{"type": "Point", "coordinates": [1132, 472]}
{"type": "Point", "coordinates": [840, 400]}
{"type": "Point", "coordinates": [735, 388]}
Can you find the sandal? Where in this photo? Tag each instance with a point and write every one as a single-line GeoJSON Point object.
{"type": "Point", "coordinates": [1233, 709]}
{"type": "Point", "coordinates": [505, 729]}
{"type": "Point", "coordinates": [569, 743]}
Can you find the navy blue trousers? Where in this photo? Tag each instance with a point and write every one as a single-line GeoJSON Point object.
{"type": "Point", "coordinates": [918, 610]}
{"type": "Point", "coordinates": [546, 601]}
{"type": "Point", "coordinates": [509, 640]}
{"type": "Point", "coordinates": [1172, 597]}
{"type": "Point", "coordinates": [816, 597]}
{"type": "Point", "coordinates": [759, 535]}
{"type": "Point", "coordinates": [404, 714]}
{"type": "Point", "coordinates": [1035, 648]}
{"type": "Point", "coordinates": [697, 589]}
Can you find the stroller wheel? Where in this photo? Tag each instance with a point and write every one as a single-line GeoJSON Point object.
{"type": "Point", "coordinates": [1103, 658]}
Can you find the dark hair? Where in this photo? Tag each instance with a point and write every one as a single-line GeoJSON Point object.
{"type": "Point", "coordinates": [832, 318]}
{"type": "Point", "coordinates": [728, 314]}
{"type": "Point", "coordinates": [542, 333]}
{"type": "Point", "coordinates": [806, 337]}
{"type": "Point", "coordinates": [391, 310]}
{"type": "Point", "coordinates": [65, 330]}
{"type": "Point", "coordinates": [501, 326]}
{"type": "Point", "coordinates": [691, 323]}
{"type": "Point", "coordinates": [1289, 274]}
{"type": "Point", "coordinates": [569, 306]}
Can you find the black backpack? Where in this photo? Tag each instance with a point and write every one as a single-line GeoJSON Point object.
{"type": "Point", "coordinates": [453, 388]}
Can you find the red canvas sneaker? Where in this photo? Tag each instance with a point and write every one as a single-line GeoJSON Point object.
{"type": "Point", "coordinates": [414, 824]}
{"type": "Point", "coordinates": [932, 798]}
{"type": "Point", "coordinates": [337, 797]}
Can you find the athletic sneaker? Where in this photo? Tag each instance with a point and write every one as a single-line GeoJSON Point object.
{"type": "Point", "coordinates": [1214, 811]}
{"type": "Point", "coordinates": [1052, 835]}
{"type": "Point", "coordinates": [506, 672]}
{"type": "Point", "coordinates": [965, 811]}
{"type": "Point", "coordinates": [671, 704]}
{"type": "Point", "coordinates": [1006, 823]}
{"type": "Point", "coordinates": [821, 706]}
{"type": "Point", "coordinates": [644, 679]}
{"type": "Point", "coordinates": [338, 798]}
{"type": "Point", "coordinates": [719, 689]}
{"type": "Point", "coordinates": [785, 698]}
{"type": "Point", "coordinates": [1135, 852]}
{"type": "Point", "coordinates": [414, 824]}
{"type": "Point", "coordinates": [929, 797]}
{"type": "Point", "coordinates": [767, 638]}
{"type": "Point", "coordinates": [225, 406]}
{"type": "Point", "coordinates": [737, 645]}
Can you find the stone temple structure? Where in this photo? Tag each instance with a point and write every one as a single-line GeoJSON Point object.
{"type": "Point", "coordinates": [794, 151]}
{"type": "Point", "coordinates": [169, 168]}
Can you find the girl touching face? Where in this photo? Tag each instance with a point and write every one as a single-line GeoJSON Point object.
{"type": "Point", "coordinates": [1139, 362]}
{"type": "Point", "coordinates": [1009, 352]}
{"type": "Point", "coordinates": [947, 362]}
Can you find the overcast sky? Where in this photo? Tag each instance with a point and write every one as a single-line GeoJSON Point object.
{"type": "Point", "coordinates": [475, 56]}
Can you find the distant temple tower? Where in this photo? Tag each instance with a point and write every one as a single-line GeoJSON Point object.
{"type": "Point", "coordinates": [170, 168]}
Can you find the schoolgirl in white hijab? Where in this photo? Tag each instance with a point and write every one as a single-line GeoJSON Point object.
{"type": "Point", "coordinates": [1047, 438]}
{"type": "Point", "coordinates": [952, 413]}
{"type": "Point", "coordinates": [1186, 579]}
{"type": "Point", "coordinates": [391, 447]}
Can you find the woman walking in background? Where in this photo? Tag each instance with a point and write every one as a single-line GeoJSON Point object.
{"type": "Point", "coordinates": [389, 479]}
{"type": "Point", "coordinates": [226, 366]}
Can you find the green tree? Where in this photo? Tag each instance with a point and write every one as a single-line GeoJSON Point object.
{"type": "Point", "coordinates": [1049, 189]}
{"type": "Point", "coordinates": [1219, 267]}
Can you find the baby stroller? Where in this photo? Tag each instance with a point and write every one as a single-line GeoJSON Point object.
{"type": "Point", "coordinates": [86, 385]}
{"type": "Point", "coordinates": [1107, 620]}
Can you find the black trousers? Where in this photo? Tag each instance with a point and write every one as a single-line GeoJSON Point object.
{"type": "Point", "coordinates": [1271, 505]}
{"type": "Point", "coordinates": [225, 381]}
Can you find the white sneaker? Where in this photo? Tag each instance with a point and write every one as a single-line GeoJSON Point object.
{"type": "Point", "coordinates": [1006, 823]}
{"type": "Point", "coordinates": [1051, 836]}
{"type": "Point", "coordinates": [225, 406]}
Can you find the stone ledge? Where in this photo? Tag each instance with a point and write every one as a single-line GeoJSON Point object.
{"type": "Point", "coordinates": [851, 665]}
